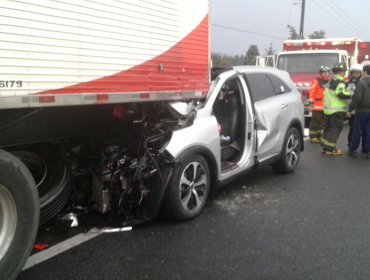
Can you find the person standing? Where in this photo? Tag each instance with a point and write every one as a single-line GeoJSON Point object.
{"type": "Point", "coordinates": [317, 104]}
{"type": "Point", "coordinates": [335, 107]}
{"type": "Point", "coordinates": [354, 77]}
{"type": "Point", "coordinates": [361, 103]}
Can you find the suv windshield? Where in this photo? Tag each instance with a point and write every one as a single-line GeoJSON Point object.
{"type": "Point", "coordinates": [211, 88]}
{"type": "Point", "coordinates": [305, 62]}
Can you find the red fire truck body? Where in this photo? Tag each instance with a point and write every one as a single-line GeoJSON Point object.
{"type": "Point", "coordinates": [303, 58]}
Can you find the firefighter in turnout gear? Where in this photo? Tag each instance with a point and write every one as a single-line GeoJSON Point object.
{"type": "Point", "coordinates": [361, 103]}
{"type": "Point", "coordinates": [354, 77]}
{"type": "Point", "coordinates": [317, 104]}
{"type": "Point", "coordinates": [335, 107]}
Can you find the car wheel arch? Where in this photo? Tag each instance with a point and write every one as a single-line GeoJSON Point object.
{"type": "Point", "coordinates": [281, 165]}
{"type": "Point", "coordinates": [208, 156]}
{"type": "Point", "coordinates": [297, 124]}
{"type": "Point", "coordinates": [172, 205]}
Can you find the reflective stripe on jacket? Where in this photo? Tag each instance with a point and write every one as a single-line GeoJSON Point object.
{"type": "Point", "coordinates": [332, 98]}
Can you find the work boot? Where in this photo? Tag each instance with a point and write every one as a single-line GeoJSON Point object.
{"type": "Point", "coordinates": [315, 140]}
{"type": "Point", "coordinates": [334, 153]}
{"type": "Point", "coordinates": [352, 153]}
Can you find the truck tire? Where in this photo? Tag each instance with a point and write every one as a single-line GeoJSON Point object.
{"type": "Point", "coordinates": [188, 189]}
{"type": "Point", "coordinates": [53, 179]}
{"type": "Point", "coordinates": [291, 152]}
{"type": "Point", "coordinates": [19, 215]}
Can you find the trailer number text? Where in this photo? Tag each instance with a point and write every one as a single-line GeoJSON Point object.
{"type": "Point", "coordinates": [10, 84]}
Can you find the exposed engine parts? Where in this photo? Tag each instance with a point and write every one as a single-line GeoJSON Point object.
{"type": "Point", "coordinates": [113, 171]}
{"type": "Point", "coordinates": [119, 182]}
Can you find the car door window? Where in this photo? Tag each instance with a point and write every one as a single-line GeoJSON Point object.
{"type": "Point", "coordinates": [278, 85]}
{"type": "Point", "coordinates": [260, 86]}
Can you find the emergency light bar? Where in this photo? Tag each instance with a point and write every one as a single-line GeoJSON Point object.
{"type": "Point", "coordinates": [362, 46]}
{"type": "Point", "coordinates": [321, 43]}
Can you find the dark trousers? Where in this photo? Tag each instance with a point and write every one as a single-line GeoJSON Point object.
{"type": "Point", "coordinates": [361, 129]}
{"type": "Point", "coordinates": [316, 124]}
{"type": "Point", "coordinates": [351, 122]}
{"type": "Point", "coordinates": [332, 128]}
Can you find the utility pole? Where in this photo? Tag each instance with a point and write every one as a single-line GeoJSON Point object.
{"type": "Point", "coordinates": [302, 20]}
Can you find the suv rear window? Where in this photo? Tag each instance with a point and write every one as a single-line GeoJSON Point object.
{"type": "Point", "coordinates": [259, 85]}
{"type": "Point", "coordinates": [278, 85]}
{"type": "Point", "coordinates": [262, 85]}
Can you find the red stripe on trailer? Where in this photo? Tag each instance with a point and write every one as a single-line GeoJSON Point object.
{"type": "Point", "coordinates": [46, 99]}
{"type": "Point", "coordinates": [102, 97]}
{"type": "Point", "coordinates": [145, 96]}
{"type": "Point", "coordinates": [184, 67]}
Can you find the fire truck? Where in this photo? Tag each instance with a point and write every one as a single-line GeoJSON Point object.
{"type": "Point", "coordinates": [303, 58]}
{"type": "Point", "coordinates": [83, 76]}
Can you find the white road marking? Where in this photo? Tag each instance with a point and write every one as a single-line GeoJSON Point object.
{"type": "Point", "coordinates": [306, 131]}
{"type": "Point", "coordinates": [59, 248]}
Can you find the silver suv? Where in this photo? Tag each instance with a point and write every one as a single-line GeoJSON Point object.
{"type": "Point", "coordinates": [252, 116]}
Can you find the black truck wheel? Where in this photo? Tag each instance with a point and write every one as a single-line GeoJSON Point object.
{"type": "Point", "coordinates": [188, 189]}
{"type": "Point", "coordinates": [19, 215]}
{"type": "Point", "coordinates": [52, 178]}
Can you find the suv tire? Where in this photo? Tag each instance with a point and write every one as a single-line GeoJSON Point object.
{"type": "Point", "coordinates": [188, 189]}
{"type": "Point", "coordinates": [290, 153]}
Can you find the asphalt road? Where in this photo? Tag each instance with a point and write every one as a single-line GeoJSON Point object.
{"type": "Point", "coordinates": [313, 224]}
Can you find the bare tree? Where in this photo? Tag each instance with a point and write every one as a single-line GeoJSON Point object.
{"type": "Point", "coordinates": [252, 52]}
{"type": "Point", "coordinates": [223, 60]}
{"type": "Point", "coordinates": [270, 50]}
{"type": "Point", "coordinates": [293, 34]}
{"type": "Point", "coordinates": [317, 34]}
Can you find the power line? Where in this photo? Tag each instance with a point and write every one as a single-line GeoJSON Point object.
{"type": "Point", "coordinates": [348, 18]}
{"type": "Point", "coordinates": [333, 17]}
{"type": "Point", "coordinates": [246, 31]}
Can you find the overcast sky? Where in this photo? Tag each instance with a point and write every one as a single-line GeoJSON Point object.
{"type": "Point", "coordinates": [237, 24]}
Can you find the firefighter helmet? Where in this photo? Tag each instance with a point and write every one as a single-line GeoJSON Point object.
{"type": "Point", "coordinates": [337, 67]}
{"type": "Point", "coordinates": [356, 68]}
{"type": "Point", "coordinates": [324, 69]}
